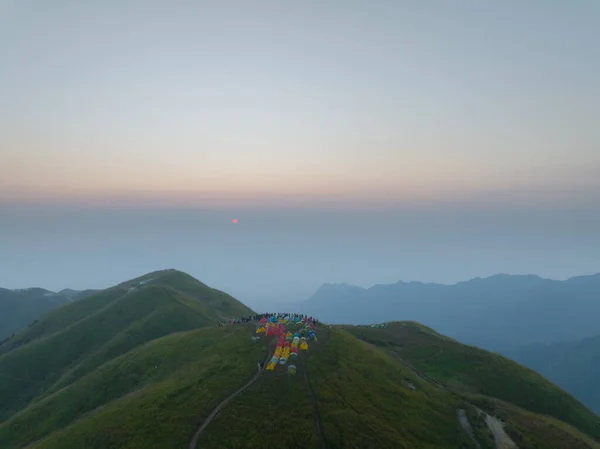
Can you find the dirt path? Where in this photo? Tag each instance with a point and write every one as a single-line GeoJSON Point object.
{"type": "Point", "coordinates": [314, 402]}
{"type": "Point", "coordinates": [224, 403]}
{"type": "Point", "coordinates": [503, 441]}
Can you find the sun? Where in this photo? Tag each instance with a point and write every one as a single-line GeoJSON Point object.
{"type": "Point", "coordinates": [234, 221]}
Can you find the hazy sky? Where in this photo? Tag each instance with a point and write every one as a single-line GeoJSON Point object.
{"type": "Point", "coordinates": [358, 141]}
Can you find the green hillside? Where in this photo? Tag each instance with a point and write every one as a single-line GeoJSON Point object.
{"type": "Point", "coordinates": [20, 308]}
{"type": "Point", "coordinates": [363, 400]}
{"type": "Point", "coordinates": [144, 364]}
{"type": "Point", "coordinates": [152, 396]}
{"type": "Point", "coordinates": [75, 339]}
{"type": "Point", "coordinates": [475, 372]}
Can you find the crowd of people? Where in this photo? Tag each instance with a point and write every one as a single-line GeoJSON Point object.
{"type": "Point", "coordinates": [260, 316]}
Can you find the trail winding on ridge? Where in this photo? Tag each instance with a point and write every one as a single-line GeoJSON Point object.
{"type": "Point", "coordinates": [194, 443]}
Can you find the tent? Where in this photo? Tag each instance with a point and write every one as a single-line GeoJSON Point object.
{"type": "Point", "coordinates": [304, 346]}
{"type": "Point", "coordinates": [292, 369]}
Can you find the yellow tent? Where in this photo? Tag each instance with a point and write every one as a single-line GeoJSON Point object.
{"type": "Point", "coordinates": [304, 346]}
{"type": "Point", "coordinates": [271, 366]}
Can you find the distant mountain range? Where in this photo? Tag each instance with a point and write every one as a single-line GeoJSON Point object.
{"type": "Point", "coordinates": [496, 313]}
{"type": "Point", "coordinates": [20, 307]}
{"type": "Point", "coordinates": [148, 363]}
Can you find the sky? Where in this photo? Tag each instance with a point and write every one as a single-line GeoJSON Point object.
{"type": "Point", "coordinates": [356, 141]}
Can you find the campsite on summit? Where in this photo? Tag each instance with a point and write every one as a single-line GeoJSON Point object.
{"type": "Point", "coordinates": [165, 361]}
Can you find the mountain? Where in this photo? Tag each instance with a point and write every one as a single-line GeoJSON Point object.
{"type": "Point", "coordinates": [493, 313]}
{"type": "Point", "coordinates": [75, 339]}
{"type": "Point", "coordinates": [19, 308]}
{"type": "Point", "coordinates": [145, 364]}
{"type": "Point", "coordinates": [76, 294]}
{"type": "Point", "coordinates": [574, 366]}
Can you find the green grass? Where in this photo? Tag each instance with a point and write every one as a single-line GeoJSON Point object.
{"type": "Point", "coordinates": [19, 309]}
{"type": "Point", "coordinates": [60, 318]}
{"type": "Point", "coordinates": [467, 369]}
{"type": "Point", "coordinates": [144, 367]}
{"type": "Point", "coordinates": [77, 338]}
{"type": "Point", "coordinates": [154, 396]}
{"type": "Point", "coordinates": [533, 431]}
{"type": "Point", "coordinates": [363, 401]}
{"type": "Point", "coordinates": [277, 408]}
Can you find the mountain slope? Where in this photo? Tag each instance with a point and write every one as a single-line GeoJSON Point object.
{"type": "Point", "coordinates": [143, 364]}
{"type": "Point", "coordinates": [475, 372]}
{"type": "Point", "coordinates": [362, 396]}
{"type": "Point", "coordinates": [363, 400]}
{"type": "Point", "coordinates": [19, 308]}
{"type": "Point", "coordinates": [149, 397]}
{"type": "Point", "coordinates": [492, 313]}
{"type": "Point", "coordinates": [574, 366]}
{"type": "Point", "coordinates": [75, 339]}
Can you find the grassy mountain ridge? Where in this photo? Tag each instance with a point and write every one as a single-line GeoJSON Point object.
{"type": "Point", "coordinates": [144, 363]}
{"type": "Point", "coordinates": [19, 308]}
{"type": "Point", "coordinates": [171, 378]}
{"type": "Point", "coordinates": [363, 400]}
{"type": "Point", "coordinates": [473, 371]}
{"type": "Point", "coordinates": [75, 339]}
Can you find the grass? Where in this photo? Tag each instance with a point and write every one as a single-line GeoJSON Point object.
{"type": "Point", "coordinates": [144, 368]}
{"type": "Point", "coordinates": [533, 431]}
{"type": "Point", "coordinates": [62, 317]}
{"type": "Point", "coordinates": [75, 339]}
{"type": "Point", "coordinates": [19, 309]}
{"type": "Point", "coordinates": [363, 400]}
{"type": "Point", "coordinates": [467, 369]}
{"type": "Point", "coordinates": [154, 396]}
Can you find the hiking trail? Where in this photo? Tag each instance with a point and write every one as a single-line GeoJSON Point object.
{"type": "Point", "coordinates": [194, 442]}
